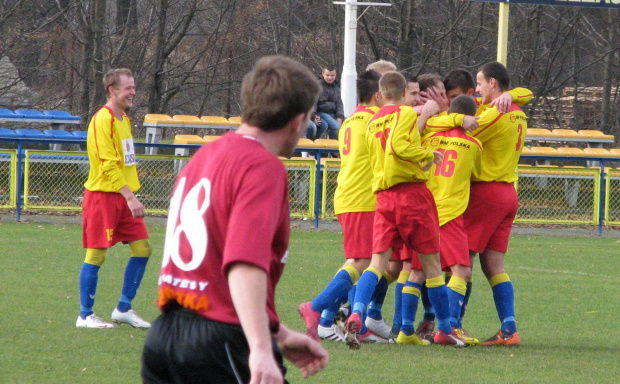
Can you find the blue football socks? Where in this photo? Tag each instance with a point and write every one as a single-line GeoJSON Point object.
{"type": "Point", "coordinates": [134, 272]}
{"type": "Point", "coordinates": [377, 299]}
{"type": "Point", "coordinates": [89, 274]}
{"type": "Point", "coordinates": [411, 297]}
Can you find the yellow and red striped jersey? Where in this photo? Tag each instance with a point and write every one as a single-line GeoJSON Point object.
{"type": "Point", "coordinates": [111, 153]}
{"type": "Point", "coordinates": [394, 145]}
{"type": "Point", "coordinates": [354, 191]}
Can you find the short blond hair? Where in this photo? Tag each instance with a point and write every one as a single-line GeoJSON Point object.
{"type": "Point", "coordinates": [113, 77]}
{"type": "Point", "coordinates": [381, 66]}
{"type": "Point", "coordinates": [392, 85]}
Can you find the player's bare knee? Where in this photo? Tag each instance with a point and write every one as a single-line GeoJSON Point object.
{"type": "Point", "coordinates": [141, 248]}
{"type": "Point", "coordinates": [461, 271]}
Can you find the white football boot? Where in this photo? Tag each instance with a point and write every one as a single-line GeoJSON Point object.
{"type": "Point", "coordinates": [131, 318]}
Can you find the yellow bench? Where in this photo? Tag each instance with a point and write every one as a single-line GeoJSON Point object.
{"type": "Point", "coordinates": [218, 122]}
{"type": "Point", "coordinates": [155, 123]}
{"type": "Point", "coordinates": [590, 137]}
{"type": "Point", "coordinates": [189, 139]}
{"type": "Point", "coordinates": [235, 120]}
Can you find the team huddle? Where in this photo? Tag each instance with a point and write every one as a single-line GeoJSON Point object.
{"type": "Point", "coordinates": [426, 184]}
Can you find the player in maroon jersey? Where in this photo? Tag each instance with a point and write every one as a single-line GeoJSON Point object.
{"type": "Point", "coordinates": [227, 243]}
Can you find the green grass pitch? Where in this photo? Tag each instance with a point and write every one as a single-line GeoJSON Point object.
{"type": "Point", "coordinates": [566, 300]}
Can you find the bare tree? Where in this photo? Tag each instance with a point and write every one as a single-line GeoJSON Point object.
{"type": "Point", "coordinates": [189, 56]}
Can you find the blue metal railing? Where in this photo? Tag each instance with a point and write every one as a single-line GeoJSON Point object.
{"type": "Point", "coordinates": [21, 141]}
{"type": "Point", "coordinates": [319, 153]}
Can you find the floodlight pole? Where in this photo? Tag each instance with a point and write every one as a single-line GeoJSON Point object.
{"type": "Point", "coordinates": [348, 90]}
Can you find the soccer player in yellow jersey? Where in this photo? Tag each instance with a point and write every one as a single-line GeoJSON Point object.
{"type": "Point", "coordinates": [450, 184]}
{"type": "Point", "coordinates": [432, 88]}
{"type": "Point", "coordinates": [394, 272]}
{"type": "Point", "coordinates": [406, 214]}
{"type": "Point", "coordinates": [460, 82]}
{"type": "Point", "coordinates": [400, 263]}
{"type": "Point", "coordinates": [354, 205]}
{"type": "Point", "coordinates": [111, 211]}
{"type": "Point", "coordinates": [353, 193]}
{"type": "Point", "coordinates": [493, 199]}
{"type": "Point", "coordinates": [374, 320]}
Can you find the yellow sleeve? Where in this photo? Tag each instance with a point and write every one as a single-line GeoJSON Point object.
{"type": "Point", "coordinates": [108, 153]}
{"type": "Point", "coordinates": [521, 96]}
{"type": "Point", "coordinates": [444, 122]}
{"type": "Point", "coordinates": [405, 140]}
{"type": "Point", "coordinates": [485, 122]}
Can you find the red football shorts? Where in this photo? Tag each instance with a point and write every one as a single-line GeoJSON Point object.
{"type": "Point", "coordinates": [453, 244]}
{"type": "Point", "coordinates": [488, 219]}
{"type": "Point", "coordinates": [357, 234]}
{"type": "Point", "coordinates": [406, 215]}
{"type": "Point", "coordinates": [107, 220]}
{"type": "Point", "coordinates": [402, 254]}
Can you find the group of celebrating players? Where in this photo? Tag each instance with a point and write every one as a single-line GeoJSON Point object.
{"type": "Point", "coordinates": [412, 170]}
{"type": "Point", "coordinates": [422, 159]}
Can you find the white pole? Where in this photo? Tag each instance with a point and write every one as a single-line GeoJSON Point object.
{"type": "Point", "coordinates": [348, 88]}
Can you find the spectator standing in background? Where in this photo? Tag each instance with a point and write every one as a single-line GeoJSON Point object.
{"type": "Point", "coordinates": [329, 106]}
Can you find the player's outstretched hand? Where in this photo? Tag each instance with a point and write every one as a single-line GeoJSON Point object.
{"type": "Point", "coordinates": [307, 354]}
{"type": "Point", "coordinates": [470, 123]}
{"type": "Point", "coordinates": [502, 102]}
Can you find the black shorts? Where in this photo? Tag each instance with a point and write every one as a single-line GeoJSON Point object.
{"type": "Point", "coordinates": [183, 347]}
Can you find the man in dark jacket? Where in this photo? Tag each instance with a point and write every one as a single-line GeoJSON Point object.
{"type": "Point", "coordinates": [329, 106]}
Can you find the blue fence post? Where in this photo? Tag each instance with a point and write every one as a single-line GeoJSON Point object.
{"type": "Point", "coordinates": [19, 185]}
{"type": "Point", "coordinates": [317, 190]}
